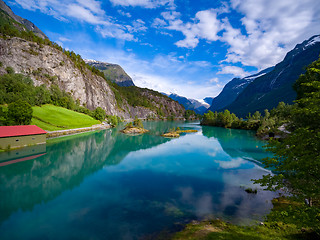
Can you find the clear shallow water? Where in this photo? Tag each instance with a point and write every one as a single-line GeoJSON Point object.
{"type": "Point", "coordinates": [106, 185]}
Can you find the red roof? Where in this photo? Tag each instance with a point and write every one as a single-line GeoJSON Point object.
{"type": "Point", "coordinates": [21, 130]}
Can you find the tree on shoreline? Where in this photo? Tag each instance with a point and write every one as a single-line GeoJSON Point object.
{"type": "Point", "coordinates": [296, 159]}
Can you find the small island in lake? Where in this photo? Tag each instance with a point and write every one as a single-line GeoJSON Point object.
{"type": "Point", "coordinates": [135, 127]}
{"type": "Point", "coordinates": [175, 133]}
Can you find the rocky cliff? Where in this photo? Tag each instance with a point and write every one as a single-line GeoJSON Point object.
{"type": "Point", "coordinates": [27, 50]}
{"type": "Point", "coordinates": [48, 65]}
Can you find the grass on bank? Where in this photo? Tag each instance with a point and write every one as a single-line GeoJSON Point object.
{"type": "Point", "coordinates": [217, 229]}
{"type": "Point", "coordinates": [287, 220]}
{"type": "Point", "coordinates": [50, 117]}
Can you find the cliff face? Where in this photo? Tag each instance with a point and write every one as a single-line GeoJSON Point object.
{"type": "Point", "coordinates": [48, 65]}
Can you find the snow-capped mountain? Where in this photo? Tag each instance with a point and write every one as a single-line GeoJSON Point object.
{"type": "Point", "coordinates": [232, 89]}
{"type": "Point", "coordinates": [190, 104]}
{"type": "Point", "coordinates": [265, 92]}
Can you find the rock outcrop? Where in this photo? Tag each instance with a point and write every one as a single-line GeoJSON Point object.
{"type": "Point", "coordinates": [48, 65]}
{"type": "Point", "coordinates": [113, 72]}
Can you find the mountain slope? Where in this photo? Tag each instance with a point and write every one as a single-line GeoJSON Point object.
{"type": "Point", "coordinates": [6, 10]}
{"type": "Point", "coordinates": [208, 100]}
{"type": "Point", "coordinates": [112, 72]}
{"type": "Point", "coordinates": [232, 89]}
{"type": "Point", "coordinates": [268, 90]}
{"type": "Point", "coordinates": [48, 64]}
{"type": "Point", "coordinates": [190, 104]}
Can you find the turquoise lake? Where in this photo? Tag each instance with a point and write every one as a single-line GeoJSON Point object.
{"type": "Point", "coordinates": [107, 185]}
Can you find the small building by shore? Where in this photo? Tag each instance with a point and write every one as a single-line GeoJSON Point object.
{"type": "Point", "coordinates": [21, 136]}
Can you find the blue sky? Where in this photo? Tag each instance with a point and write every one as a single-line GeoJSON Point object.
{"type": "Point", "coordinates": [189, 47]}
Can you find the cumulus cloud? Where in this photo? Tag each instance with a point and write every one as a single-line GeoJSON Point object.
{"type": "Point", "coordinates": [234, 70]}
{"type": "Point", "coordinates": [174, 85]}
{"type": "Point", "coordinates": [126, 14]}
{"type": "Point", "coordinates": [271, 29]}
{"type": "Point", "coordinates": [139, 26]}
{"type": "Point", "coordinates": [87, 11]}
{"type": "Point", "coordinates": [205, 26]}
{"type": "Point", "coordinates": [157, 22]}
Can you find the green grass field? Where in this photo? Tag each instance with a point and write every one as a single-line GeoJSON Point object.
{"type": "Point", "coordinates": [49, 117]}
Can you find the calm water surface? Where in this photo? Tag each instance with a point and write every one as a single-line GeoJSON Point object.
{"type": "Point", "coordinates": [106, 185]}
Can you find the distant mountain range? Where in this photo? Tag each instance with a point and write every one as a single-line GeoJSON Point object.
{"type": "Point", "coordinates": [113, 72]}
{"type": "Point", "coordinates": [190, 104]}
{"type": "Point", "coordinates": [232, 90]}
{"type": "Point", "coordinates": [269, 87]}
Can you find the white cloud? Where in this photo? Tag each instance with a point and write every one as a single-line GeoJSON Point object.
{"type": "Point", "coordinates": [83, 14]}
{"type": "Point", "coordinates": [64, 39]}
{"type": "Point", "coordinates": [126, 14]}
{"type": "Point", "coordinates": [235, 71]}
{"type": "Point", "coordinates": [174, 85]}
{"type": "Point", "coordinates": [272, 28]}
{"type": "Point", "coordinates": [165, 33]}
{"type": "Point", "coordinates": [88, 11]}
{"type": "Point", "coordinates": [157, 22]}
{"type": "Point", "coordinates": [171, 15]}
{"type": "Point", "coordinates": [115, 32]}
{"type": "Point", "coordinates": [205, 26]}
{"type": "Point", "coordinates": [146, 44]}
{"type": "Point", "coordinates": [143, 3]}
{"type": "Point", "coordinates": [214, 80]}
{"type": "Point", "coordinates": [163, 73]}
{"type": "Point", "coordinates": [92, 5]}
{"type": "Point", "coordinates": [138, 26]}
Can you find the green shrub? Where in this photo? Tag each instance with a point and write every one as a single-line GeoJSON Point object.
{"type": "Point", "coordinates": [99, 114]}
{"type": "Point", "coordinates": [19, 113]}
{"type": "Point", "coordinates": [129, 125]}
{"type": "Point", "coordinates": [137, 122]}
{"type": "Point", "coordinates": [113, 120]}
{"type": "Point", "coordinates": [9, 70]}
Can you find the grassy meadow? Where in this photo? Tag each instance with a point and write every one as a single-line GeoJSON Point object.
{"type": "Point", "coordinates": [50, 117]}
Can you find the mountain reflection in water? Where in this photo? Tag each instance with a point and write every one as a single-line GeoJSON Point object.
{"type": "Point", "coordinates": [107, 185]}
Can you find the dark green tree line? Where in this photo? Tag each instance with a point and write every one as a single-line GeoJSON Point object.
{"type": "Point", "coordinates": [296, 158]}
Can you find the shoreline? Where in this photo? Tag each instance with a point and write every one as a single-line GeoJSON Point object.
{"type": "Point", "coordinates": [61, 133]}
